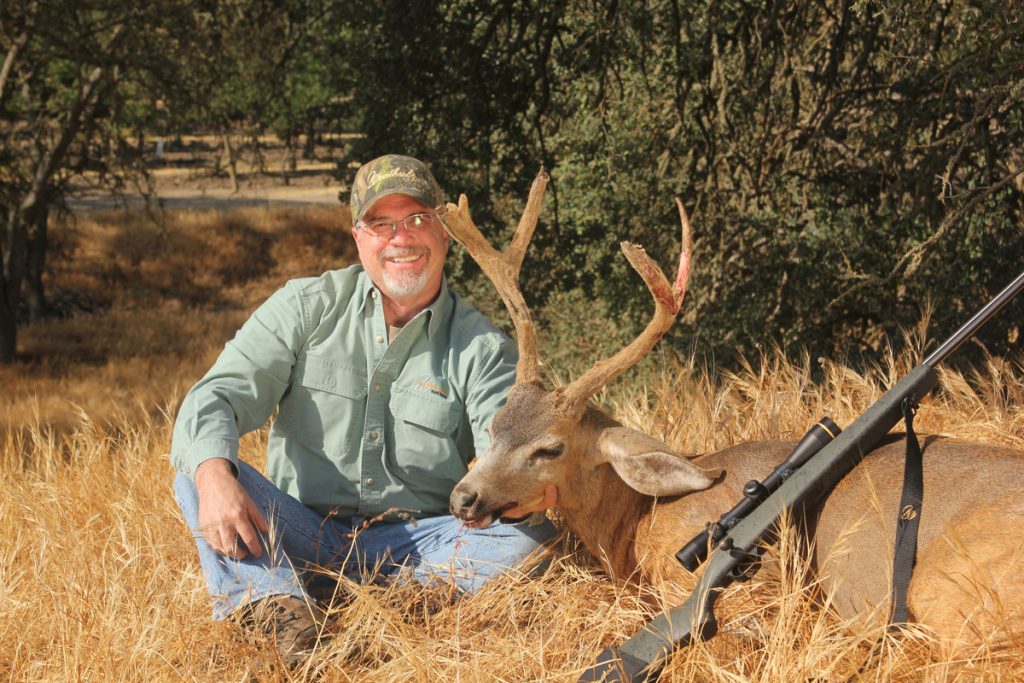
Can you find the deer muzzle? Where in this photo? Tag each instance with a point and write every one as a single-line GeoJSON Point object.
{"type": "Point", "coordinates": [473, 509]}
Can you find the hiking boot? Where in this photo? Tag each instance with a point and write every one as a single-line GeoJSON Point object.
{"type": "Point", "coordinates": [294, 624]}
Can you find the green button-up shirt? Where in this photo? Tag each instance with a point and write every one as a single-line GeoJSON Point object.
{"type": "Point", "coordinates": [364, 425]}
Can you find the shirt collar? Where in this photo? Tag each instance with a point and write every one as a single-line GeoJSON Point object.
{"type": "Point", "coordinates": [436, 312]}
{"type": "Point", "coordinates": [365, 290]}
{"type": "Point", "coordinates": [440, 310]}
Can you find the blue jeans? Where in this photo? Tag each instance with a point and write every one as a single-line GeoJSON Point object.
{"type": "Point", "coordinates": [432, 548]}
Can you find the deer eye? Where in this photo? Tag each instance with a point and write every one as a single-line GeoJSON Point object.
{"type": "Point", "coordinates": [549, 452]}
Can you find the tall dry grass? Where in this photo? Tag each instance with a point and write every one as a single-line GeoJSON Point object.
{"type": "Point", "coordinates": [99, 579]}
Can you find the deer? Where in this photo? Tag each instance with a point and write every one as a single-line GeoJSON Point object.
{"type": "Point", "coordinates": [633, 501]}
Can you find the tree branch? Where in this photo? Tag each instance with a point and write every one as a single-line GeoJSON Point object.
{"type": "Point", "coordinates": [911, 261]}
{"type": "Point", "coordinates": [8, 66]}
{"type": "Point", "coordinates": [84, 105]}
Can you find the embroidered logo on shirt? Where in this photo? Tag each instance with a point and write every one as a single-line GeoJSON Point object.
{"type": "Point", "coordinates": [426, 383]}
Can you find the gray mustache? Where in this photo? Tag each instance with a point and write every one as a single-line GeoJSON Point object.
{"type": "Point", "coordinates": [399, 252]}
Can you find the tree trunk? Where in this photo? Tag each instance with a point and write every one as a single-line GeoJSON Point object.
{"type": "Point", "coordinates": [288, 160]}
{"type": "Point", "coordinates": [8, 299]}
{"type": "Point", "coordinates": [257, 152]}
{"type": "Point", "coordinates": [232, 162]}
{"type": "Point", "coordinates": [8, 327]}
{"type": "Point", "coordinates": [37, 242]}
{"type": "Point", "coordinates": [14, 261]}
{"type": "Point", "coordinates": [309, 149]}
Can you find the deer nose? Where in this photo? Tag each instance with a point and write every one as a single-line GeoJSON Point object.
{"type": "Point", "coordinates": [462, 500]}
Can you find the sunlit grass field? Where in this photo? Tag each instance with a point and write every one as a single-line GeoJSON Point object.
{"type": "Point", "coordinates": [99, 579]}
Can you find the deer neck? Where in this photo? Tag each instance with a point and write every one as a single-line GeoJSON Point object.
{"type": "Point", "coordinates": [603, 511]}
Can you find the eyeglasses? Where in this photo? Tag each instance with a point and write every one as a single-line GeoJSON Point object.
{"type": "Point", "coordinates": [386, 227]}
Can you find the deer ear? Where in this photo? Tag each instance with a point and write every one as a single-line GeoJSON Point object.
{"type": "Point", "coordinates": [649, 466]}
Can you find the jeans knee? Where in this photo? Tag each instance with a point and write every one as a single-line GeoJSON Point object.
{"type": "Point", "coordinates": [530, 537]}
{"type": "Point", "coordinates": [187, 498]}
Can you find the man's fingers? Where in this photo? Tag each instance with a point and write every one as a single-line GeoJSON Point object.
{"type": "Point", "coordinates": [257, 518]}
{"type": "Point", "coordinates": [237, 551]}
{"type": "Point", "coordinates": [234, 521]}
{"type": "Point", "coordinates": [250, 539]}
{"type": "Point", "coordinates": [212, 536]}
{"type": "Point", "coordinates": [224, 540]}
{"type": "Point", "coordinates": [231, 546]}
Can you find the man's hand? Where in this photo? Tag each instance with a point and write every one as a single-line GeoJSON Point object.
{"type": "Point", "coordinates": [546, 501]}
{"type": "Point", "coordinates": [227, 512]}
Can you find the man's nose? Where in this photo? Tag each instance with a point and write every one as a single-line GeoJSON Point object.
{"type": "Point", "coordinates": [401, 234]}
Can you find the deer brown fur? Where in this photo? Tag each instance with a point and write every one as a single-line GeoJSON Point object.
{"type": "Point", "coordinates": [634, 502]}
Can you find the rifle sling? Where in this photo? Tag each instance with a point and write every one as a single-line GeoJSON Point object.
{"type": "Point", "coordinates": [905, 551]}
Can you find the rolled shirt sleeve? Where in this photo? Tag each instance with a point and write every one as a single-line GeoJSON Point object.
{"type": "Point", "coordinates": [489, 389]}
{"type": "Point", "coordinates": [244, 386]}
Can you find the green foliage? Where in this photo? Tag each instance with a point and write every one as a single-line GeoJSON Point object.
{"type": "Point", "coordinates": [844, 164]}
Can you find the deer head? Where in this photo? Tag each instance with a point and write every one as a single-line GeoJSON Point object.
{"type": "Point", "coordinates": [545, 441]}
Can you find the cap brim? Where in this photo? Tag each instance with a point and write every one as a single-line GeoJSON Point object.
{"type": "Point", "coordinates": [421, 197]}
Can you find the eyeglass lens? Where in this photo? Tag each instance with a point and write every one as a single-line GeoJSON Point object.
{"type": "Point", "coordinates": [387, 226]}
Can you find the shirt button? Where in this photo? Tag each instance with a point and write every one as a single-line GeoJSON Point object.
{"type": "Point", "coordinates": [372, 435]}
{"type": "Point", "coordinates": [376, 387]}
{"type": "Point", "coordinates": [379, 339]}
{"type": "Point", "coordinates": [373, 293]}
{"type": "Point", "coordinates": [369, 482]}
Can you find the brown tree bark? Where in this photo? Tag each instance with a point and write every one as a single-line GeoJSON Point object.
{"type": "Point", "coordinates": [309, 146]}
{"type": "Point", "coordinates": [232, 162]}
{"type": "Point", "coordinates": [11, 260]}
{"type": "Point", "coordinates": [37, 242]}
{"type": "Point", "coordinates": [8, 327]}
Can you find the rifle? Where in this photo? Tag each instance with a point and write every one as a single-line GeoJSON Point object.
{"type": "Point", "coordinates": [816, 466]}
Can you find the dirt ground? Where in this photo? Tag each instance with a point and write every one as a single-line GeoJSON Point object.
{"type": "Point", "coordinates": [187, 180]}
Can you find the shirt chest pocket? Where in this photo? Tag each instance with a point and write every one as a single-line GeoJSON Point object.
{"type": "Point", "coordinates": [423, 412]}
{"type": "Point", "coordinates": [425, 435]}
{"type": "Point", "coordinates": [326, 406]}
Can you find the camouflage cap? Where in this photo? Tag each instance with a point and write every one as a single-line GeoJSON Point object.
{"type": "Point", "coordinates": [393, 174]}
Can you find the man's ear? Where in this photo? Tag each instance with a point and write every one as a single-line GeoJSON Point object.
{"type": "Point", "coordinates": [649, 466]}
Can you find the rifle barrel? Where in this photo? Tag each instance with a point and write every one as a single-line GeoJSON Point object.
{"type": "Point", "coordinates": [977, 320]}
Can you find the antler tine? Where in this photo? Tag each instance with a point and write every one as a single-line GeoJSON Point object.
{"type": "Point", "coordinates": [503, 268]}
{"type": "Point", "coordinates": [528, 223]}
{"type": "Point", "coordinates": [667, 300]}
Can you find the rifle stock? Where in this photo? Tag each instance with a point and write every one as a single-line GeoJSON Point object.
{"type": "Point", "coordinates": [642, 656]}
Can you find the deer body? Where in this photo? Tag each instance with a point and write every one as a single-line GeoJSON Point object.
{"type": "Point", "coordinates": [969, 541]}
{"type": "Point", "coordinates": [634, 502]}
{"type": "Point", "coordinates": [970, 549]}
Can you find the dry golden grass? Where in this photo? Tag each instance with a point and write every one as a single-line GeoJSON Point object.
{"type": "Point", "coordinates": [99, 578]}
{"type": "Point", "coordinates": [148, 307]}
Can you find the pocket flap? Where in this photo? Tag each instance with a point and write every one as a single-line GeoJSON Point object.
{"type": "Point", "coordinates": [322, 374]}
{"type": "Point", "coordinates": [425, 411]}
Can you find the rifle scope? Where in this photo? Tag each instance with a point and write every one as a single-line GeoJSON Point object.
{"type": "Point", "coordinates": [754, 492]}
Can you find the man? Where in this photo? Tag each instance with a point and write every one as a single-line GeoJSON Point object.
{"type": "Point", "coordinates": [385, 382]}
